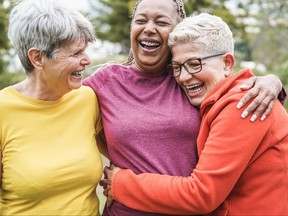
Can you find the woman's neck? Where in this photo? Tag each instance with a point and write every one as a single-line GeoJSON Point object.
{"type": "Point", "coordinates": [149, 69]}
{"type": "Point", "coordinates": [36, 90]}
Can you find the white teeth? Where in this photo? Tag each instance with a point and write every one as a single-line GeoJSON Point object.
{"type": "Point", "coordinates": [148, 43]}
{"type": "Point", "coordinates": [77, 73]}
{"type": "Point", "coordinates": [193, 86]}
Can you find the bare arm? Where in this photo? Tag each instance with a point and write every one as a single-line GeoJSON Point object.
{"type": "Point", "coordinates": [101, 143]}
{"type": "Point", "coordinates": [264, 90]}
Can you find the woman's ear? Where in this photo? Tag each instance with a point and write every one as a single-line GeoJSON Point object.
{"type": "Point", "coordinates": [35, 57]}
{"type": "Point", "coordinates": [229, 62]}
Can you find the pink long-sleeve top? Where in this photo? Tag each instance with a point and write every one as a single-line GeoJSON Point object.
{"type": "Point", "coordinates": [149, 124]}
{"type": "Point", "coordinates": [242, 168]}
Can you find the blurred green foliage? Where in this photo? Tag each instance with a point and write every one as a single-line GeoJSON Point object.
{"type": "Point", "coordinates": [8, 78]}
{"type": "Point", "coordinates": [260, 29]}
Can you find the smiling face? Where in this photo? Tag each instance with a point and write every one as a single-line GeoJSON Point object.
{"type": "Point", "coordinates": [150, 28]}
{"type": "Point", "coordinates": [64, 71]}
{"type": "Point", "coordinates": [198, 86]}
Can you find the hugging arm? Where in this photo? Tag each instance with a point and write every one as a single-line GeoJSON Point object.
{"type": "Point", "coordinates": [101, 143]}
{"type": "Point", "coordinates": [265, 90]}
{"type": "Point", "coordinates": [211, 181]}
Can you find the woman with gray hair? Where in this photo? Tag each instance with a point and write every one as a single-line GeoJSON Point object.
{"type": "Point", "coordinates": [50, 163]}
{"type": "Point", "coordinates": [242, 166]}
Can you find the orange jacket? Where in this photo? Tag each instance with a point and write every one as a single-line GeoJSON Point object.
{"type": "Point", "coordinates": [242, 168]}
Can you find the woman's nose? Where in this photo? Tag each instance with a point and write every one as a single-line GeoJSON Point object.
{"type": "Point", "coordinates": [150, 27]}
{"type": "Point", "coordinates": [184, 75]}
{"type": "Point", "coordinates": [86, 59]}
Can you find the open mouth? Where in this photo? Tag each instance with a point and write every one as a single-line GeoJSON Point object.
{"type": "Point", "coordinates": [77, 74]}
{"type": "Point", "coordinates": [149, 44]}
{"type": "Point", "coordinates": [195, 88]}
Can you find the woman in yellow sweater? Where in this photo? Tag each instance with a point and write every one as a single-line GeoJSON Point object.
{"type": "Point", "coordinates": [50, 161]}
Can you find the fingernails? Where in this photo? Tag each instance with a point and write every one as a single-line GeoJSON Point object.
{"type": "Point", "coordinates": [244, 114]}
{"type": "Point", "coordinates": [243, 86]}
{"type": "Point", "coordinates": [240, 104]}
{"type": "Point", "coordinates": [263, 117]}
{"type": "Point", "coordinates": [253, 118]}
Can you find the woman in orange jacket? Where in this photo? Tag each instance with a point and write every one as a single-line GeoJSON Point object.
{"type": "Point", "coordinates": [242, 167]}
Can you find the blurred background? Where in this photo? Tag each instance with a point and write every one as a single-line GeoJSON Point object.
{"type": "Point", "coordinates": [260, 28]}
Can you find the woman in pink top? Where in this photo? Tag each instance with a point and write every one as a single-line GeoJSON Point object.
{"type": "Point", "coordinates": [149, 124]}
{"type": "Point", "coordinates": [242, 167]}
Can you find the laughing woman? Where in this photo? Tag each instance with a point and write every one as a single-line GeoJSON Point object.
{"type": "Point", "coordinates": [48, 122]}
{"type": "Point", "coordinates": [242, 167]}
{"type": "Point", "coordinates": [149, 124]}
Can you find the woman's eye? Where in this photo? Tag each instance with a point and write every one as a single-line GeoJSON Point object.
{"type": "Point", "coordinates": [161, 23]}
{"type": "Point", "coordinates": [77, 53]}
{"type": "Point", "coordinates": [176, 67]}
{"type": "Point", "coordinates": [140, 21]}
{"type": "Point", "coordinates": [193, 65]}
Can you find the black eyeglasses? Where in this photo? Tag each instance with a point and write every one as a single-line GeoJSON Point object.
{"type": "Point", "coordinates": [192, 66]}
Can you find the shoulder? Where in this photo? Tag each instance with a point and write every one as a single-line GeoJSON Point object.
{"type": "Point", "coordinates": [223, 99]}
{"type": "Point", "coordinates": [84, 94]}
{"type": "Point", "coordinates": [4, 94]}
{"type": "Point", "coordinates": [84, 98]}
{"type": "Point", "coordinates": [5, 91]}
{"type": "Point", "coordinates": [228, 90]}
{"type": "Point", "coordinates": [103, 74]}
{"type": "Point", "coordinates": [8, 95]}
{"type": "Point", "coordinates": [105, 71]}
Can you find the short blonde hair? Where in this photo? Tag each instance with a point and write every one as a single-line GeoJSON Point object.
{"type": "Point", "coordinates": [209, 31]}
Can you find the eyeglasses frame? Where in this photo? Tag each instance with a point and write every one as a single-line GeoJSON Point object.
{"type": "Point", "coordinates": [199, 59]}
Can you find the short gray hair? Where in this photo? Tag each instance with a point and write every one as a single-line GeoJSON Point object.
{"type": "Point", "coordinates": [209, 31]}
{"type": "Point", "coordinates": [46, 26]}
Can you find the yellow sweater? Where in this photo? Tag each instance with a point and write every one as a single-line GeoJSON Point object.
{"type": "Point", "coordinates": [51, 163]}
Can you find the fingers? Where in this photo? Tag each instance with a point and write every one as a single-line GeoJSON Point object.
{"type": "Point", "coordinates": [257, 107]}
{"type": "Point", "coordinates": [106, 181]}
{"type": "Point", "coordinates": [252, 93]}
{"type": "Point", "coordinates": [262, 97]}
{"type": "Point", "coordinates": [248, 84]}
{"type": "Point", "coordinates": [261, 104]}
{"type": "Point", "coordinates": [107, 193]}
{"type": "Point", "coordinates": [106, 184]}
{"type": "Point", "coordinates": [103, 183]}
{"type": "Point", "coordinates": [106, 171]}
{"type": "Point", "coordinates": [109, 201]}
{"type": "Point", "coordinates": [268, 110]}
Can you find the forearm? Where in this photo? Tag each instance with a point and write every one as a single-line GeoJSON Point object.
{"type": "Point", "coordinates": [163, 194]}
{"type": "Point", "coordinates": [211, 181]}
{"type": "Point", "coordinates": [101, 143]}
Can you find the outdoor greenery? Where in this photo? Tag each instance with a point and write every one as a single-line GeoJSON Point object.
{"type": "Point", "coordinates": [3, 38]}
{"type": "Point", "coordinates": [260, 28]}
